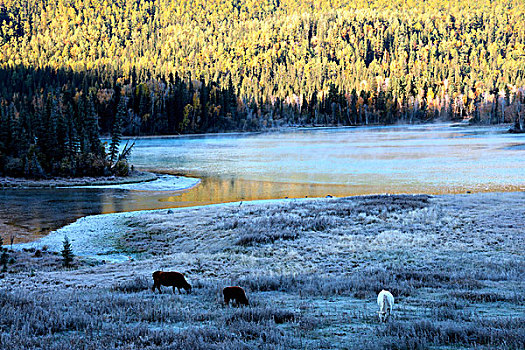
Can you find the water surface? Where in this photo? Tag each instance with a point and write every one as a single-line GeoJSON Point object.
{"type": "Point", "coordinates": [435, 158]}
{"type": "Point", "coordinates": [295, 163]}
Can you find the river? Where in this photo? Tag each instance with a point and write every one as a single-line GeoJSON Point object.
{"type": "Point", "coordinates": [293, 163]}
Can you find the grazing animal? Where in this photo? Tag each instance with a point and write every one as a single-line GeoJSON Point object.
{"type": "Point", "coordinates": [174, 279]}
{"type": "Point", "coordinates": [235, 293]}
{"type": "Point", "coordinates": [385, 300]}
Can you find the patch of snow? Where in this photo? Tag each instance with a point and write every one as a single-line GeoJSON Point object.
{"type": "Point", "coordinates": [163, 183]}
{"type": "Point", "coordinates": [91, 236]}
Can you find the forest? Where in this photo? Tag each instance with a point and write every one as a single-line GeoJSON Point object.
{"type": "Point", "coordinates": [73, 70]}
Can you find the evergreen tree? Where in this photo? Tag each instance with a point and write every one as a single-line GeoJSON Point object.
{"type": "Point", "coordinates": [353, 108]}
{"type": "Point", "coordinates": [242, 67]}
{"type": "Point", "coordinates": [4, 258]}
{"type": "Point", "coordinates": [116, 130]}
{"type": "Point", "coordinates": [67, 253]}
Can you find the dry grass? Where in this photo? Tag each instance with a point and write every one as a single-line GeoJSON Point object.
{"type": "Point", "coordinates": [312, 270]}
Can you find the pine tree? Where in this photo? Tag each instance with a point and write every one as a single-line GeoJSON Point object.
{"type": "Point", "coordinates": [353, 107]}
{"type": "Point", "coordinates": [116, 130]}
{"type": "Point", "coordinates": [91, 127]}
{"type": "Point", "coordinates": [4, 258]}
{"type": "Point", "coordinates": [67, 253]}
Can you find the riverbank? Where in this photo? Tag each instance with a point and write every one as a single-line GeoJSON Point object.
{"type": "Point", "coordinates": [134, 177]}
{"type": "Point", "coordinates": [311, 268]}
{"type": "Point", "coordinates": [33, 209]}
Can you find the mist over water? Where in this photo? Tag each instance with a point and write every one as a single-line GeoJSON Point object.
{"type": "Point", "coordinates": [430, 158]}
{"type": "Point", "coordinates": [294, 163]}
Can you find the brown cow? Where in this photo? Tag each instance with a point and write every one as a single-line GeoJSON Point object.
{"type": "Point", "coordinates": [175, 279]}
{"type": "Point", "coordinates": [235, 293]}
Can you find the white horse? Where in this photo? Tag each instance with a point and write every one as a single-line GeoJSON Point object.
{"type": "Point", "coordinates": [385, 300]}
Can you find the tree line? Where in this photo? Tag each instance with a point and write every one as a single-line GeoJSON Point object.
{"type": "Point", "coordinates": [72, 69]}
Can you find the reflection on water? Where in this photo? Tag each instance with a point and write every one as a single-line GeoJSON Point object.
{"type": "Point", "coordinates": [216, 190]}
{"type": "Point", "coordinates": [293, 164]}
{"type": "Point", "coordinates": [31, 214]}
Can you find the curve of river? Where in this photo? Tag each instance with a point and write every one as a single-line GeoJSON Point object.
{"type": "Point", "coordinates": [293, 163]}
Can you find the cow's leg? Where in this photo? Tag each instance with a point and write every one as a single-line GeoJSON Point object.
{"type": "Point", "coordinates": [173, 289]}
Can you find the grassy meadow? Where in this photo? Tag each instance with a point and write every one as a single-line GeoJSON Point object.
{"type": "Point", "coordinates": [311, 268]}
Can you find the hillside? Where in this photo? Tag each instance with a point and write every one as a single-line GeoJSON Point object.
{"type": "Point", "coordinates": [71, 69]}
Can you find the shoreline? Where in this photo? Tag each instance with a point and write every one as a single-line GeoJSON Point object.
{"type": "Point", "coordinates": [98, 237]}
{"type": "Point", "coordinates": [29, 229]}
{"type": "Point", "coordinates": [23, 183]}
{"type": "Point", "coordinates": [450, 123]}
{"type": "Point", "coordinates": [93, 232]}
{"type": "Point", "coordinates": [453, 124]}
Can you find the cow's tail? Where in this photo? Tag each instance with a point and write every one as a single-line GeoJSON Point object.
{"type": "Point", "coordinates": [388, 302]}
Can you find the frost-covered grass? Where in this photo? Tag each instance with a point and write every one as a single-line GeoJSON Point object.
{"type": "Point", "coordinates": [161, 183]}
{"type": "Point", "coordinates": [108, 319]}
{"type": "Point", "coordinates": [133, 178]}
{"type": "Point", "coordinates": [311, 269]}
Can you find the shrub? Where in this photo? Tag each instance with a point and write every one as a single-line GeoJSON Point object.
{"type": "Point", "coordinates": [14, 166]}
{"type": "Point", "coordinates": [260, 314]}
{"type": "Point", "coordinates": [483, 297]}
{"type": "Point", "coordinates": [262, 235]}
{"type": "Point", "coordinates": [65, 167]}
{"type": "Point", "coordinates": [138, 284]}
{"type": "Point", "coordinates": [121, 168]}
